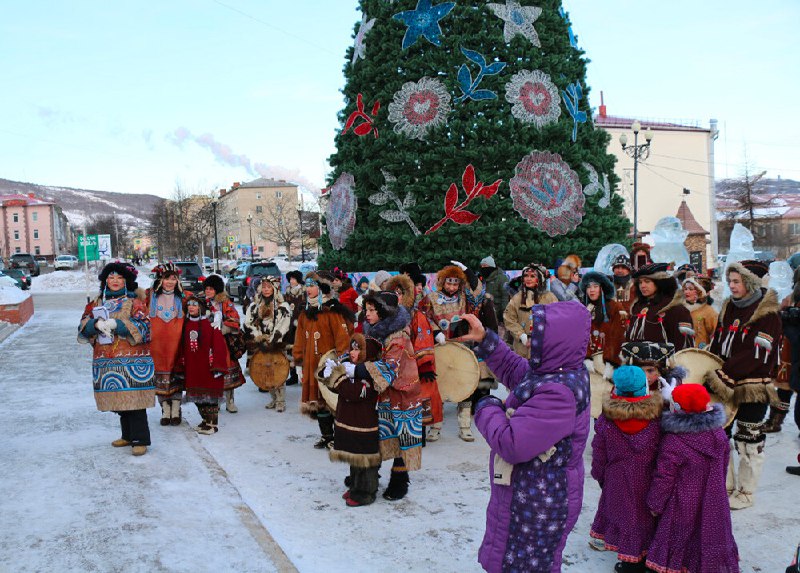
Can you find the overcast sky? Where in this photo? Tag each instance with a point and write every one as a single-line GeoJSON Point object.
{"type": "Point", "coordinates": [134, 96]}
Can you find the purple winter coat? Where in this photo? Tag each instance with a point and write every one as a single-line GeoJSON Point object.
{"type": "Point", "coordinates": [542, 429]}
{"type": "Point", "coordinates": [688, 492]}
{"type": "Point", "coordinates": [623, 463]}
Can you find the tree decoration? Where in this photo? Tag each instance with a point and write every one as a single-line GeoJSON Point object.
{"type": "Point", "coordinates": [367, 124]}
{"type": "Point", "coordinates": [360, 47]}
{"type": "Point", "coordinates": [458, 213]}
{"type": "Point", "coordinates": [572, 96]}
{"type": "Point", "coordinates": [518, 20]}
{"type": "Point", "coordinates": [386, 194]}
{"type": "Point", "coordinates": [594, 186]}
{"type": "Point", "coordinates": [424, 21]}
{"type": "Point", "coordinates": [468, 86]}
{"type": "Point", "coordinates": [419, 106]}
{"type": "Point", "coordinates": [547, 193]}
{"type": "Point", "coordinates": [572, 40]}
{"type": "Point", "coordinates": [534, 97]}
{"type": "Point", "coordinates": [341, 213]}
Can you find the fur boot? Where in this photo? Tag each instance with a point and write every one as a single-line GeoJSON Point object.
{"type": "Point", "coordinates": [398, 485]}
{"type": "Point", "coordinates": [730, 477]}
{"type": "Point", "coordinates": [465, 421]}
{"type": "Point", "coordinates": [364, 488]}
{"type": "Point", "coordinates": [434, 432]}
{"type": "Point", "coordinates": [280, 399]}
{"type": "Point", "coordinates": [751, 462]}
{"type": "Point", "coordinates": [325, 421]}
{"type": "Point", "coordinates": [777, 414]}
{"type": "Point", "coordinates": [166, 412]}
{"type": "Point", "coordinates": [625, 567]}
{"type": "Point", "coordinates": [271, 405]}
{"type": "Point", "coordinates": [175, 419]}
{"type": "Point", "coordinates": [230, 405]}
{"type": "Point", "coordinates": [292, 380]}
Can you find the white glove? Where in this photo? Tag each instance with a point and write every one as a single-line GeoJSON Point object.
{"type": "Point", "coordinates": [667, 388]}
{"type": "Point", "coordinates": [461, 266]}
{"type": "Point", "coordinates": [299, 370]}
{"type": "Point", "coordinates": [589, 365]}
{"type": "Point", "coordinates": [523, 338]}
{"type": "Point", "coordinates": [216, 322]}
{"type": "Point", "coordinates": [106, 326]}
{"type": "Point", "coordinates": [350, 369]}
{"type": "Point", "coordinates": [329, 364]}
{"type": "Point", "coordinates": [440, 338]}
{"type": "Point", "coordinates": [608, 372]}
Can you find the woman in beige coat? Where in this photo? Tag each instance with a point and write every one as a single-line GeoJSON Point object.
{"type": "Point", "coordinates": [517, 316]}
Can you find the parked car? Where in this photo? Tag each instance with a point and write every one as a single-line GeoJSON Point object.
{"type": "Point", "coordinates": [21, 276]}
{"type": "Point", "coordinates": [24, 260]}
{"type": "Point", "coordinates": [208, 264]}
{"type": "Point", "coordinates": [241, 277]}
{"type": "Point", "coordinates": [192, 276]}
{"type": "Point", "coordinates": [66, 262]}
{"type": "Point", "coordinates": [41, 260]}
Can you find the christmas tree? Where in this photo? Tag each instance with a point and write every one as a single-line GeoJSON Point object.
{"type": "Point", "coordinates": [467, 131]}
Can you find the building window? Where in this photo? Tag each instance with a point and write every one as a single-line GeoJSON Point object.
{"type": "Point", "coordinates": [258, 195]}
{"type": "Point", "coordinates": [17, 249]}
{"type": "Point", "coordinates": [278, 194]}
{"type": "Point", "coordinates": [37, 251]}
{"type": "Point", "coordinates": [261, 249]}
{"type": "Point", "coordinates": [16, 235]}
{"type": "Point", "coordinates": [259, 209]}
{"type": "Point", "coordinates": [16, 217]}
{"type": "Point", "coordinates": [36, 233]}
{"type": "Point", "coordinates": [35, 216]}
{"type": "Point", "coordinates": [794, 229]}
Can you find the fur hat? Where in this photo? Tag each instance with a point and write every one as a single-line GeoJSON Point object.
{"type": "Point", "coordinates": [419, 279]}
{"type": "Point", "coordinates": [691, 398]}
{"type": "Point", "coordinates": [568, 266]}
{"type": "Point", "coordinates": [362, 281]}
{"type": "Point", "coordinates": [410, 269]}
{"type": "Point", "coordinates": [685, 271]}
{"type": "Point", "coordinates": [320, 278]}
{"type": "Point", "coordinates": [215, 282]}
{"type": "Point", "coordinates": [652, 271]}
{"type": "Point", "coordinates": [163, 271]}
{"type": "Point", "coordinates": [640, 255]}
{"type": "Point", "coordinates": [380, 278]}
{"type": "Point", "coordinates": [126, 270]}
{"type": "Point", "coordinates": [700, 287]}
{"type": "Point", "coordinates": [593, 277]}
{"type": "Point", "coordinates": [449, 272]}
{"type": "Point", "coordinates": [405, 285]}
{"type": "Point", "coordinates": [358, 342]}
{"type": "Point", "coordinates": [752, 272]}
{"type": "Point", "coordinates": [488, 261]}
{"type": "Point", "coordinates": [630, 382]}
{"type": "Point", "coordinates": [644, 352]}
{"type": "Point", "coordinates": [338, 273]}
{"type": "Point", "coordinates": [385, 302]}
{"type": "Point", "coordinates": [622, 261]}
{"type": "Point", "coordinates": [296, 275]}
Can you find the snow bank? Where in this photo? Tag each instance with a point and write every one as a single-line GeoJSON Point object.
{"type": "Point", "coordinates": [12, 294]}
{"type": "Point", "coordinates": [76, 281]}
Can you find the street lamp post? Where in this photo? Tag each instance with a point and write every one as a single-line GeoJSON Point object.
{"type": "Point", "coordinates": [214, 202]}
{"type": "Point", "coordinates": [639, 152]}
{"type": "Point", "coordinates": [250, 223]}
{"type": "Point", "coordinates": [300, 229]}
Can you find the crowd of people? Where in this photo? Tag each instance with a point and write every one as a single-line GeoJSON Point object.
{"type": "Point", "coordinates": [571, 348]}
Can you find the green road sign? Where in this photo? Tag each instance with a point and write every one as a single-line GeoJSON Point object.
{"type": "Point", "coordinates": [87, 248]}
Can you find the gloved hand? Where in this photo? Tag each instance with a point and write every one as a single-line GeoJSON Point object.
{"type": "Point", "coordinates": [589, 365]}
{"type": "Point", "coordinates": [219, 374]}
{"type": "Point", "coordinates": [608, 372]}
{"type": "Point", "coordinates": [461, 266]}
{"type": "Point", "coordinates": [216, 322]}
{"type": "Point", "coordinates": [350, 369]}
{"type": "Point", "coordinates": [106, 326]}
{"type": "Point", "coordinates": [523, 338]}
{"type": "Point", "coordinates": [667, 388]}
{"type": "Point", "coordinates": [329, 364]}
{"type": "Point", "coordinates": [440, 338]}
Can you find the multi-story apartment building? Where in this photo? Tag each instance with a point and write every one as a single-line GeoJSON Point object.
{"type": "Point", "coordinates": [32, 225]}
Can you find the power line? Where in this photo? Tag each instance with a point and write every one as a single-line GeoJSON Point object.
{"type": "Point", "coordinates": [671, 181]}
{"type": "Point", "coordinates": [704, 162]}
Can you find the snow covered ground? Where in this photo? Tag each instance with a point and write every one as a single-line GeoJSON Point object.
{"type": "Point", "coordinates": [77, 281]}
{"type": "Point", "coordinates": [257, 496]}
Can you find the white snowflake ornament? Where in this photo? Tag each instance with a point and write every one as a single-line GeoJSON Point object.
{"type": "Point", "coordinates": [360, 46]}
{"type": "Point", "coordinates": [518, 20]}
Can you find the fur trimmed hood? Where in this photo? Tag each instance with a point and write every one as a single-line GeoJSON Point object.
{"type": "Point", "coordinates": [751, 280]}
{"type": "Point", "coordinates": [450, 272]}
{"type": "Point", "coordinates": [682, 423]}
{"type": "Point", "coordinates": [406, 286]}
{"type": "Point", "coordinates": [605, 284]}
{"type": "Point", "coordinates": [647, 408]}
{"type": "Point", "coordinates": [383, 328]}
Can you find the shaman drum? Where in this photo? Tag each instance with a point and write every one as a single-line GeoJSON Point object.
{"type": "Point", "coordinates": [698, 363]}
{"type": "Point", "coordinates": [331, 398]}
{"type": "Point", "coordinates": [457, 371]}
{"type": "Point", "coordinates": [599, 387]}
{"type": "Point", "coordinates": [269, 370]}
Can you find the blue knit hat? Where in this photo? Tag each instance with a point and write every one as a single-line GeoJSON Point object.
{"type": "Point", "coordinates": [630, 382]}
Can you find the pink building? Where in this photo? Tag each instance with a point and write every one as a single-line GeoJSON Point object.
{"type": "Point", "coordinates": [32, 225]}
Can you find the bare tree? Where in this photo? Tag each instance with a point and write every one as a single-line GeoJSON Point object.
{"type": "Point", "coordinates": [746, 195]}
{"type": "Point", "coordinates": [279, 224]}
{"type": "Point", "coordinates": [121, 243]}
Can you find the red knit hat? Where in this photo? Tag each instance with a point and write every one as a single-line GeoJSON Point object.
{"type": "Point", "coordinates": [692, 398]}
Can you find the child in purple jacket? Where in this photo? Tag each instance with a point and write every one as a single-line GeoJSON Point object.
{"type": "Point", "coordinates": [688, 490]}
{"type": "Point", "coordinates": [624, 451]}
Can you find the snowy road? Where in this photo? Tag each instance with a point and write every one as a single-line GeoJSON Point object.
{"type": "Point", "coordinates": [256, 496]}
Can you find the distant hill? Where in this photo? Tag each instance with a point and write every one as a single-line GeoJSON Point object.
{"type": "Point", "coordinates": [80, 205]}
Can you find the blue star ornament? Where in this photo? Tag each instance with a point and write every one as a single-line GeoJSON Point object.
{"type": "Point", "coordinates": [424, 21]}
{"type": "Point", "coordinates": [518, 20]}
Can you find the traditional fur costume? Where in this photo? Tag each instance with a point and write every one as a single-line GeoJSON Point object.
{"type": "Point", "coordinates": [165, 310]}
{"type": "Point", "coordinates": [608, 319]}
{"type": "Point", "coordinates": [623, 284]}
{"type": "Point", "coordinates": [517, 315]}
{"type": "Point", "coordinates": [661, 317]}
{"type": "Point", "coordinates": [562, 286]}
{"type": "Point", "coordinates": [704, 317]}
{"type": "Point", "coordinates": [226, 318]}
{"type": "Point", "coordinates": [748, 337]}
{"type": "Point", "coordinates": [266, 326]}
